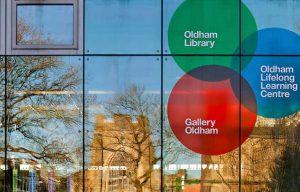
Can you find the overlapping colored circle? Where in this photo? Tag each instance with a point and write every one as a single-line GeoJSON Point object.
{"type": "Point", "coordinates": [204, 110]}
{"type": "Point", "coordinates": [274, 80]}
{"type": "Point", "coordinates": [214, 24]}
{"type": "Point", "coordinates": [272, 41]}
{"type": "Point", "coordinates": [213, 108]}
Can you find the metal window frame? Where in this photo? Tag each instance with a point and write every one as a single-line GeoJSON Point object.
{"type": "Point", "coordinates": [2, 27]}
{"type": "Point", "coordinates": [14, 49]}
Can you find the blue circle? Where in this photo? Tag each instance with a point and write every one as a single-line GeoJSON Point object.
{"type": "Point", "coordinates": [274, 79]}
{"type": "Point", "coordinates": [272, 41]}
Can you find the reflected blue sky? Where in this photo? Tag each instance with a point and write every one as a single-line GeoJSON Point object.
{"type": "Point", "coordinates": [110, 75]}
{"type": "Point", "coordinates": [115, 74]}
{"type": "Point", "coordinates": [122, 26]}
{"type": "Point", "coordinates": [107, 76]}
{"type": "Point", "coordinates": [281, 13]}
{"type": "Point", "coordinates": [169, 9]}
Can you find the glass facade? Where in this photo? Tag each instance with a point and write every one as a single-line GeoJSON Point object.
{"type": "Point", "coordinates": [149, 95]}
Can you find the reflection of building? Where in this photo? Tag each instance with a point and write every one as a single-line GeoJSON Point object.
{"type": "Point", "coordinates": [115, 159]}
{"type": "Point", "coordinates": [178, 176]}
{"type": "Point", "coordinates": [257, 157]}
{"type": "Point", "coordinates": [172, 182]}
{"type": "Point", "coordinates": [27, 175]}
{"type": "Point", "coordinates": [223, 178]}
{"type": "Point", "coordinates": [258, 153]}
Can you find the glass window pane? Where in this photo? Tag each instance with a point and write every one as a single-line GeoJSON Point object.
{"type": "Point", "coordinates": [201, 27]}
{"type": "Point", "coordinates": [270, 157]}
{"type": "Point", "coordinates": [123, 117]}
{"type": "Point", "coordinates": [202, 128]}
{"type": "Point", "coordinates": [120, 27]}
{"type": "Point", "coordinates": [45, 137]}
{"type": "Point", "coordinates": [177, 159]}
{"type": "Point", "coordinates": [277, 28]}
{"type": "Point", "coordinates": [45, 25]}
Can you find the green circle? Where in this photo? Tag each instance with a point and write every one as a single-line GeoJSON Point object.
{"type": "Point", "coordinates": [209, 27]}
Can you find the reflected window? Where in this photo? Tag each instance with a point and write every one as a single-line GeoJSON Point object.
{"type": "Point", "coordinates": [42, 25]}
{"type": "Point", "coordinates": [45, 27]}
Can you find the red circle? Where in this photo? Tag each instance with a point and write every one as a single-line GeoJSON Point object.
{"type": "Point", "coordinates": [217, 112]}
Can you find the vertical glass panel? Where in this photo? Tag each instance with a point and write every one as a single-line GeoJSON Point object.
{"type": "Point", "coordinates": [202, 27]}
{"type": "Point", "coordinates": [270, 157]}
{"type": "Point", "coordinates": [201, 128]}
{"type": "Point", "coordinates": [123, 117]}
{"type": "Point", "coordinates": [44, 130]}
{"type": "Point", "coordinates": [120, 27]}
{"type": "Point", "coordinates": [2, 123]}
{"type": "Point", "coordinates": [45, 25]}
{"type": "Point", "coordinates": [178, 161]}
{"type": "Point", "coordinates": [277, 28]}
{"type": "Point", "coordinates": [280, 14]}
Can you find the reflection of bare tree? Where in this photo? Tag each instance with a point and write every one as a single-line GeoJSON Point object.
{"type": "Point", "coordinates": [285, 171]}
{"type": "Point", "coordinates": [135, 143]}
{"type": "Point", "coordinates": [173, 149]}
{"type": "Point", "coordinates": [262, 154]}
{"type": "Point", "coordinates": [42, 103]}
{"type": "Point", "coordinates": [133, 137]}
{"type": "Point", "coordinates": [26, 34]}
{"type": "Point", "coordinates": [261, 151]}
{"type": "Point", "coordinates": [39, 90]}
